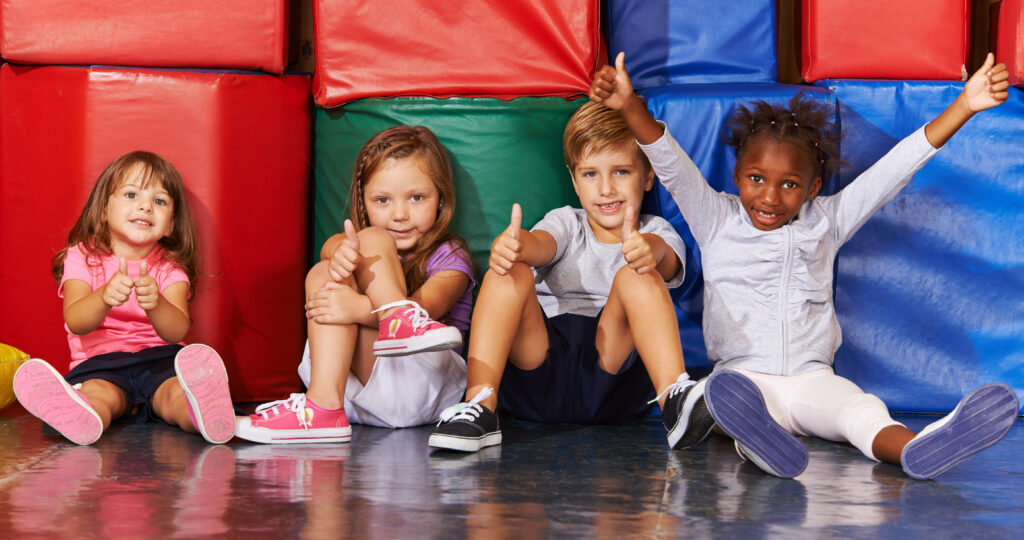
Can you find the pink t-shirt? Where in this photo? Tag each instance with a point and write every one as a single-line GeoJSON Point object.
{"type": "Point", "coordinates": [126, 328]}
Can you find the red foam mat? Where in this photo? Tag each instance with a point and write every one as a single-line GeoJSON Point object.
{"type": "Point", "coordinates": [242, 143]}
{"type": "Point", "coordinates": [884, 39]}
{"type": "Point", "coordinates": [1010, 39]}
{"type": "Point", "coordinates": [445, 48]}
{"type": "Point", "coordinates": [234, 34]}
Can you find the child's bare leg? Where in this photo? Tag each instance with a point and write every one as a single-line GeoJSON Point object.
{"type": "Point", "coordinates": [639, 314]}
{"type": "Point", "coordinates": [380, 275]}
{"type": "Point", "coordinates": [507, 325]}
{"type": "Point", "coordinates": [107, 399]}
{"type": "Point", "coordinates": [889, 443]}
{"type": "Point", "coordinates": [363, 359]}
{"type": "Point", "coordinates": [330, 348]}
{"type": "Point", "coordinates": [170, 404]}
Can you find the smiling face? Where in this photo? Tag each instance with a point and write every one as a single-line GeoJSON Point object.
{"type": "Point", "coordinates": [606, 182]}
{"type": "Point", "coordinates": [775, 178]}
{"type": "Point", "coordinates": [401, 197]}
{"type": "Point", "coordinates": [139, 213]}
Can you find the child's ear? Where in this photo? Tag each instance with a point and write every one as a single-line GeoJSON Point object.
{"type": "Point", "coordinates": [573, 178]}
{"type": "Point", "coordinates": [736, 174]}
{"type": "Point", "coordinates": [815, 188]}
{"type": "Point", "coordinates": [649, 181]}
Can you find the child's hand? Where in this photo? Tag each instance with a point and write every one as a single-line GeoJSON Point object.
{"type": "Point", "coordinates": [988, 86]}
{"type": "Point", "coordinates": [507, 249]}
{"type": "Point", "coordinates": [346, 257]}
{"type": "Point", "coordinates": [611, 85]}
{"type": "Point", "coordinates": [146, 291]}
{"type": "Point", "coordinates": [331, 304]}
{"type": "Point", "coordinates": [635, 249]}
{"type": "Point", "coordinates": [119, 287]}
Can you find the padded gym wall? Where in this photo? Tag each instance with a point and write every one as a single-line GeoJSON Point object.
{"type": "Point", "coordinates": [694, 41]}
{"type": "Point", "coordinates": [242, 144]}
{"type": "Point", "coordinates": [501, 152]}
{"type": "Point", "coordinates": [696, 115]}
{"type": "Point", "coordinates": [884, 39]}
{"type": "Point", "coordinates": [1010, 38]}
{"type": "Point", "coordinates": [443, 48]}
{"type": "Point", "coordinates": [929, 291]}
{"type": "Point", "coordinates": [235, 34]}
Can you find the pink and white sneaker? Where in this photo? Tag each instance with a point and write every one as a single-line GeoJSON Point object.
{"type": "Point", "coordinates": [412, 330]}
{"type": "Point", "coordinates": [294, 420]}
{"type": "Point", "coordinates": [44, 393]}
{"type": "Point", "coordinates": [202, 376]}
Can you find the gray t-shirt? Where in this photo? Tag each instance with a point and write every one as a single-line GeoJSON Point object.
{"type": "Point", "coordinates": [579, 278]}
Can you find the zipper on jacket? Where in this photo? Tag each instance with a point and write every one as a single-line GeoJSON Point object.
{"type": "Point", "coordinates": [783, 302]}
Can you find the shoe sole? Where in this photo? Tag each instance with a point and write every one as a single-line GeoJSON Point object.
{"type": "Point", "coordinates": [441, 339]}
{"type": "Point", "coordinates": [738, 407]}
{"type": "Point", "coordinates": [699, 421]}
{"type": "Point", "coordinates": [202, 376]}
{"type": "Point", "coordinates": [44, 393]}
{"type": "Point", "coordinates": [244, 430]}
{"type": "Point", "coordinates": [981, 419]}
{"type": "Point", "coordinates": [464, 444]}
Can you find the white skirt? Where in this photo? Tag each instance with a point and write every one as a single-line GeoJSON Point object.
{"type": "Point", "coordinates": [402, 391]}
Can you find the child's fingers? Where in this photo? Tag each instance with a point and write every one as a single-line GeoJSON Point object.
{"type": "Point", "coordinates": [516, 222]}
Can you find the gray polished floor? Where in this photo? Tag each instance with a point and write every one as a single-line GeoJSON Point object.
{"type": "Point", "coordinates": [153, 481]}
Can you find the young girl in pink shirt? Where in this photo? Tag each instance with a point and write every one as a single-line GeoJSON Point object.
{"type": "Point", "coordinates": [127, 276]}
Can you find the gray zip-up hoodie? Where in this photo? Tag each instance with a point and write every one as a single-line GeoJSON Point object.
{"type": "Point", "coordinates": [768, 294]}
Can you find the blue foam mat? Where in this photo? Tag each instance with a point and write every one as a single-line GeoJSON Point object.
{"type": "Point", "coordinates": [930, 293]}
{"type": "Point", "coordinates": [694, 41]}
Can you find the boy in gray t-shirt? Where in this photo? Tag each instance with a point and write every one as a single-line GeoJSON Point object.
{"type": "Point", "coordinates": [574, 321]}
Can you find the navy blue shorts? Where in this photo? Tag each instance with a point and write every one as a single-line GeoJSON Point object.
{"type": "Point", "coordinates": [139, 374]}
{"type": "Point", "coordinates": [570, 386]}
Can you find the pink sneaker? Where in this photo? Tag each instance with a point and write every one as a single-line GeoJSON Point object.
{"type": "Point", "coordinates": [294, 420]}
{"type": "Point", "coordinates": [412, 330]}
{"type": "Point", "coordinates": [202, 376]}
{"type": "Point", "coordinates": [45, 394]}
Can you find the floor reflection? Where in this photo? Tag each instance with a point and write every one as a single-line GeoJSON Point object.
{"type": "Point", "coordinates": [599, 481]}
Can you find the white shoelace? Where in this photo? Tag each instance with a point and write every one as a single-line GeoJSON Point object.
{"type": "Point", "coordinates": [466, 411]}
{"type": "Point", "coordinates": [419, 317]}
{"type": "Point", "coordinates": [295, 403]}
{"type": "Point", "coordinates": [682, 383]}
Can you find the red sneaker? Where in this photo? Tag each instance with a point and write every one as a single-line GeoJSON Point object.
{"type": "Point", "coordinates": [294, 420]}
{"type": "Point", "coordinates": [412, 330]}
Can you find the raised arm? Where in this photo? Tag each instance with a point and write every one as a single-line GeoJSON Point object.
{"type": "Point", "coordinates": [985, 89]}
{"type": "Point", "coordinates": [612, 87]}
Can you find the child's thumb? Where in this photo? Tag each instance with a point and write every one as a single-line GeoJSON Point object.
{"type": "Point", "coordinates": [351, 236]}
{"type": "Point", "coordinates": [628, 223]}
{"type": "Point", "coordinates": [122, 265]}
{"type": "Point", "coordinates": [990, 60]}
{"type": "Point", "coordinates": [143, 271]}
{"type": "Point", "coordinates": [516, 223]}
{"type": "Point", "coordinates": [620, 62]}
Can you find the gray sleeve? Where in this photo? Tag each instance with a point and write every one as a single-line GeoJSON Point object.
{"type": "Point", "coordinates": [661, 227]}
{"type": "Point", "coordinates": [699, 203]}
{"type": "Point", "coordinates": [879, 184]}
{"type": "Point", "coordinates": [561, 224]}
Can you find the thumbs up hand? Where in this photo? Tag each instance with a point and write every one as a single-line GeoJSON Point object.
{"type": "Point", "coordinates": [635, 249]}
{"type": "Point", "coordinates": [146, 291]}
{"type": "Point", "coordinates": [346, 257]}
{"type": "Point", "coordinates": [611, 85]}
{"type": "Point", "coordinates": [119, 286]}
{"type": "Point", "coordinates": [506, 250]}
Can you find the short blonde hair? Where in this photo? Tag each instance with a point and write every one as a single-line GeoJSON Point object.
{"type": "Point", "coordinates": [595, 128]}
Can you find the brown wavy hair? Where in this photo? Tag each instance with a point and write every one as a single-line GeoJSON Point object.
{"type": "Point", "coordinates": [594, 128]}
{"type": "Point", "coordinates": [181, 247]}
{"type": "Point", "coordinates": [404, 142]}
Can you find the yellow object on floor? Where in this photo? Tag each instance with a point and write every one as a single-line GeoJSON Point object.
{"type": "Point", "coordinates": [10, 360]}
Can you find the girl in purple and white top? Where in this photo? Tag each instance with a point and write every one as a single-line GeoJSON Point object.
{"type": "Point", "coordinates": [376, 354]}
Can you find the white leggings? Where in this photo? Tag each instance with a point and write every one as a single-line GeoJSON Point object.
{"type": "Point", "coordinates": [823, 404]}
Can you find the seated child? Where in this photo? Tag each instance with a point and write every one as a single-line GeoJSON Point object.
{"type": "Point", "coordinates": [127, 276]}
{"type": "Point", "coordinates": [574, 321]}
{"type": "Point", "coordinates": [768, 256]}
